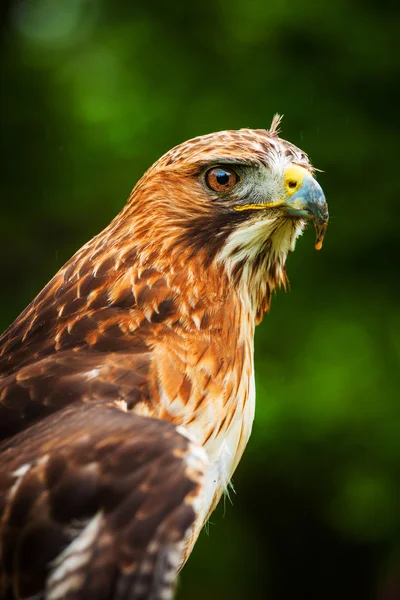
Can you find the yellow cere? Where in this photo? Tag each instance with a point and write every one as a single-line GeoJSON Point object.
{"type": "Point", "coordinates": [294, 176]}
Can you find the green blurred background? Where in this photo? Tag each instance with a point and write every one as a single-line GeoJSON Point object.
{"type": "Point", "coordinates": [92, 93]}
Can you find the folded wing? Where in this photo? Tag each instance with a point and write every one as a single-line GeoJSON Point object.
{"type": "Point", "coordinates": [96, 503]}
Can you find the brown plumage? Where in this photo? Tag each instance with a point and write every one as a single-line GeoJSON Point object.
{"type": "Point", "coordinates": [127, 385]}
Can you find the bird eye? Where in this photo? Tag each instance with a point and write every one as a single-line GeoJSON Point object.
{"type": "Point", "coordinates": [221, 180]}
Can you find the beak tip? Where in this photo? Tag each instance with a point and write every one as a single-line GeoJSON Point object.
{"type": "Point", "coordinates": [318, 245]}
{"type": "Point", "coordinates": [320, 229]}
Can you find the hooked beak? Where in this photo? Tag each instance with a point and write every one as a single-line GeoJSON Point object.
{"type": "Point", "coordinates": [304, 199]}
{"type": "Point", "coordinates": [309, 202]}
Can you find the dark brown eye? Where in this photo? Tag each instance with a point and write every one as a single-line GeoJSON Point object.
{"type": "Point", "coordinates": [221, 180]}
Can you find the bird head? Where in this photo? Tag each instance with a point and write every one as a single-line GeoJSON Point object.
{"type": "Point", "coordinates": [234, 198]}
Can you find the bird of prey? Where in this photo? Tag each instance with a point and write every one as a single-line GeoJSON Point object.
{"type": "Point", "coordinates": [127, 386]}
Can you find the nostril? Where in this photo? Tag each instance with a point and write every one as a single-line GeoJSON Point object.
{"type": "Point", "coordinates": [292, 184]}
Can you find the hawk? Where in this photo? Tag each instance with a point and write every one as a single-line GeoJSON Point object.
{"type": "Point", "coordinates": [127, 386]}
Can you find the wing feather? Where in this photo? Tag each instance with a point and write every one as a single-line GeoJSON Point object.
{"type": "Point", "coordinates": [43, 387]}
{"type": "Point", "coordinates": [103, 509]}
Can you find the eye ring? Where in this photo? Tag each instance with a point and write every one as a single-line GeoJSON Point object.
{"type": "Point", "coordinates": [221, 179]}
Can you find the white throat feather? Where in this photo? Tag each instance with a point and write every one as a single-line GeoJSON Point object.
{"type": "Point", "coordinates": [254, 256]}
